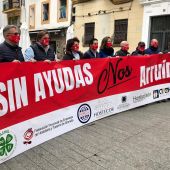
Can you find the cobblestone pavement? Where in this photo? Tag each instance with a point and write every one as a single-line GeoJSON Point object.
{"type": "Point", "coordinates": [137, 139]}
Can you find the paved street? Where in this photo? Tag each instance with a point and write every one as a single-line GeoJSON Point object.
{"type": "Point", "coordinates": [138, 139]}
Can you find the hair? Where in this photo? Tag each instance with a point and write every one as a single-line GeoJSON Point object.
{"type": "Point", "coordinates": [123, 43]}
{"type": "Point", "coordinates": [41, 34]}
{"type": "Point", "coordinates": [70, 43]}
{"type": "Point", "coordinates": [92, 40]}
{"type": "Point", "coordinates": [104, 41]}
{"type": "Point", "coordinates": [141, 43]}
{"type": "Point", "coordinates": [7, 28]}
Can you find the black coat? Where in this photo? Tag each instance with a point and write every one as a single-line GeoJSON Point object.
{"type": "Point", "coordinates": [138, 53]}
{"type": "Point", "coordinates": [89, 54]}
{"type": "Point", "coordinates": [121, 53]}
{"type": "Point", "coordinates": [8, 53]}
{"type": "Point", "coordinates": [40, 54]}
{"type": "Point", "coordinates": [70, 56]}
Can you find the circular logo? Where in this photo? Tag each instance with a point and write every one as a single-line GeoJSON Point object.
{"type": "Point", "coordinates": [84, 113]}
{"type": "Point", "coordinates": [28, 134]}
{"type": "Point", "coordinates": [7, 144]}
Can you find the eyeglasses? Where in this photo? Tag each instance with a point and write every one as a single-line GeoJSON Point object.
{"type": "Point", "coordinates": [16, 33]}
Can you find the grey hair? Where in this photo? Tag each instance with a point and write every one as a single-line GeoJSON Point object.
{"type": "Point", "coordinates": [123, 43]}
{"type": "Point", "coordinates": [8, 27]}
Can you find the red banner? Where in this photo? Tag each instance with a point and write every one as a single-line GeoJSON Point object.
{"type": "Point", "coordinates": [28, 90]}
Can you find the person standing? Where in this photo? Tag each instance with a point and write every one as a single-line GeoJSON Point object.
{"type": "Point", "coordinates": [106, 48]}
{"type": "Point", "coordinates": [153, 48]}
{"type": "Point", "coordinates": [41, 50]}
{"type": "Point", "coordinates": [92, 52]}
{"type": "Point", "coordinates": [140, 50]}
{"type": "Point", "coordinates": [72, 50]}
{"type": "Point", "coordinates": [9, 49]}
{"type": "Point", "coordinates": [124, 49]}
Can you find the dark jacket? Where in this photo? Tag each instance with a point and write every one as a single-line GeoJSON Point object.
{"type": "Point", "coordinates": [70, 56]}
{"type": "Point", "coordinates": [89, 54]}
{"type": "Point", "coordinates": [138, 53]}
{"type": "Point", "coordinates": [152, 50]}
{"type": "Point", "coordinates": [105, 52]}
{"type": "Point", "coordinates": [40, 54]}
{"type": "Point", "coordinates": [8, 53]}
{"type": "Point", "coordinates": [121, 53]}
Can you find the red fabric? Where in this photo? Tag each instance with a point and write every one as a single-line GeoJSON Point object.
{"type": "Point", "coordinates": [110, 76]}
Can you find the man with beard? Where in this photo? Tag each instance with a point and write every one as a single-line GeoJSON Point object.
{"type": "Point", "coordinates": [92, 52]}
{"type": "Point", "coordinates": [106, 48]}
{"type": "Point", "coordinates": [124, 49]}
{"type": "Point", "coordinates": [154, 48]}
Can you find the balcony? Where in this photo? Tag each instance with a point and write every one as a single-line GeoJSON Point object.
{"type": "Point", "coordinates": [117, 2]}
{"type": "Point", "coordinates": [11, 6]}
{"type": "Point", "coordinates": [145, 2]}
{"type": "Point", "coordinates": [79, 1]}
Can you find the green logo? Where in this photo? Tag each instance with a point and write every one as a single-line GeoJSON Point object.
{"type": "Point", "coordinates": [7, 145]}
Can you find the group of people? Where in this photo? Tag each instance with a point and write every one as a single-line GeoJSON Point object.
{"type": "Point", "coordinates": [42, 51]}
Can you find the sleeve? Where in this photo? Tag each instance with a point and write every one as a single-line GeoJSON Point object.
{"type": "Point", "coordinates": [29, 54]}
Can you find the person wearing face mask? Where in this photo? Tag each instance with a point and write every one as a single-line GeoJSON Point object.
{"type": "Point", "coordinates": [140, 50]}
{"type": "Point", "coordinates": [124, 49]}
{"type": "Point", "coordinates": [72, 50]}
{"type": "Point", "coordinates": [41, 50]}
{"type": "Point", "coordinates": [106, 48]}
{"type": "Point", "coordinates": [9, 49]}
{"type": "Point", "coordinates": [92, 52]}
{"type": "Point", "coordinates": [154, 48]}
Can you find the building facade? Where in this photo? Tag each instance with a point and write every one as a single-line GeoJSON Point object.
{"type": "Point", "coordinates": [156, 22]}
{"type": "Point", "coordinates": [51, 15]}
{"type": "Point", "coordinates": [119, 19]}
{"type": "Point", "coordinates": [10, 12]}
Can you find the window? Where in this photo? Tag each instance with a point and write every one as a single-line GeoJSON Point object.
{"type": "Point", "coordinates": [62, 10]}
{"type": "Point", "coordinates": [89, 32]}
{"type": "Point", "coordinates": [45, 13]}
{"type": "Point", "coordinates": [120, 31]}
{"type": "Point", "coordinates": [160, 30]}
{"type": "Point", "coordinates": [32, 16]}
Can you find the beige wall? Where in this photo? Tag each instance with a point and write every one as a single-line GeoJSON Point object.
{"type": "Point", "coordinates": [104, 24]}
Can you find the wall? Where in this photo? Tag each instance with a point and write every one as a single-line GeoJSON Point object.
{"type": "Point", "coordinates": [104, 24]}
{"type": "Point", "coordinates": [156, 9]}
{"type": "Point", "coordinates": [53, 24]}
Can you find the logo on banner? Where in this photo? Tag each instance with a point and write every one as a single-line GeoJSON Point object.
{"type": "Point", "coordinates": [84, 113]}
{"type": "Point", "coordinates": [160, 92]}
{"type": "Point", "coordinates": [124, 103]}
{"type": "Point", "coordinates": [141, 97]}
{"type": "Point", "coordinates": [124, 99]}
{"type": "Point", "coordinates": [7, 144]}
{"type": "Point", "coordinates": [103, 108]}
{"type": "Point", "coordinates": [28, 135]}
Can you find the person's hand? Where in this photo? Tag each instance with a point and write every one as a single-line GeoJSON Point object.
{"type": "Point", "coordinates": [47, 61]}
{"type": "Point", "coordinates": [33, 60]}
{"type": "Point", "coordinates": [16, 61]}
{"type": "Point", "coordinates": [57, 60]}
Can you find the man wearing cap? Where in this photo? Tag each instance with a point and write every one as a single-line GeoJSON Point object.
{"type": "Point", "coordinates": [140, 50]}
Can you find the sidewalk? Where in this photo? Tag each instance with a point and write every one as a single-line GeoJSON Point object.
{"type": "Point", "coordinates": [138, 139]}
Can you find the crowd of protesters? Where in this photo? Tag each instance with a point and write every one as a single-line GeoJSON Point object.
{"type": "Point", "coordinates": [42, 51]}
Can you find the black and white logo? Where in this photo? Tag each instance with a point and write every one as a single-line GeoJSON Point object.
{"type": "Point", "coordinates": [124, 99]}
{"type": "Point", "coordinates": [84, 113]}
